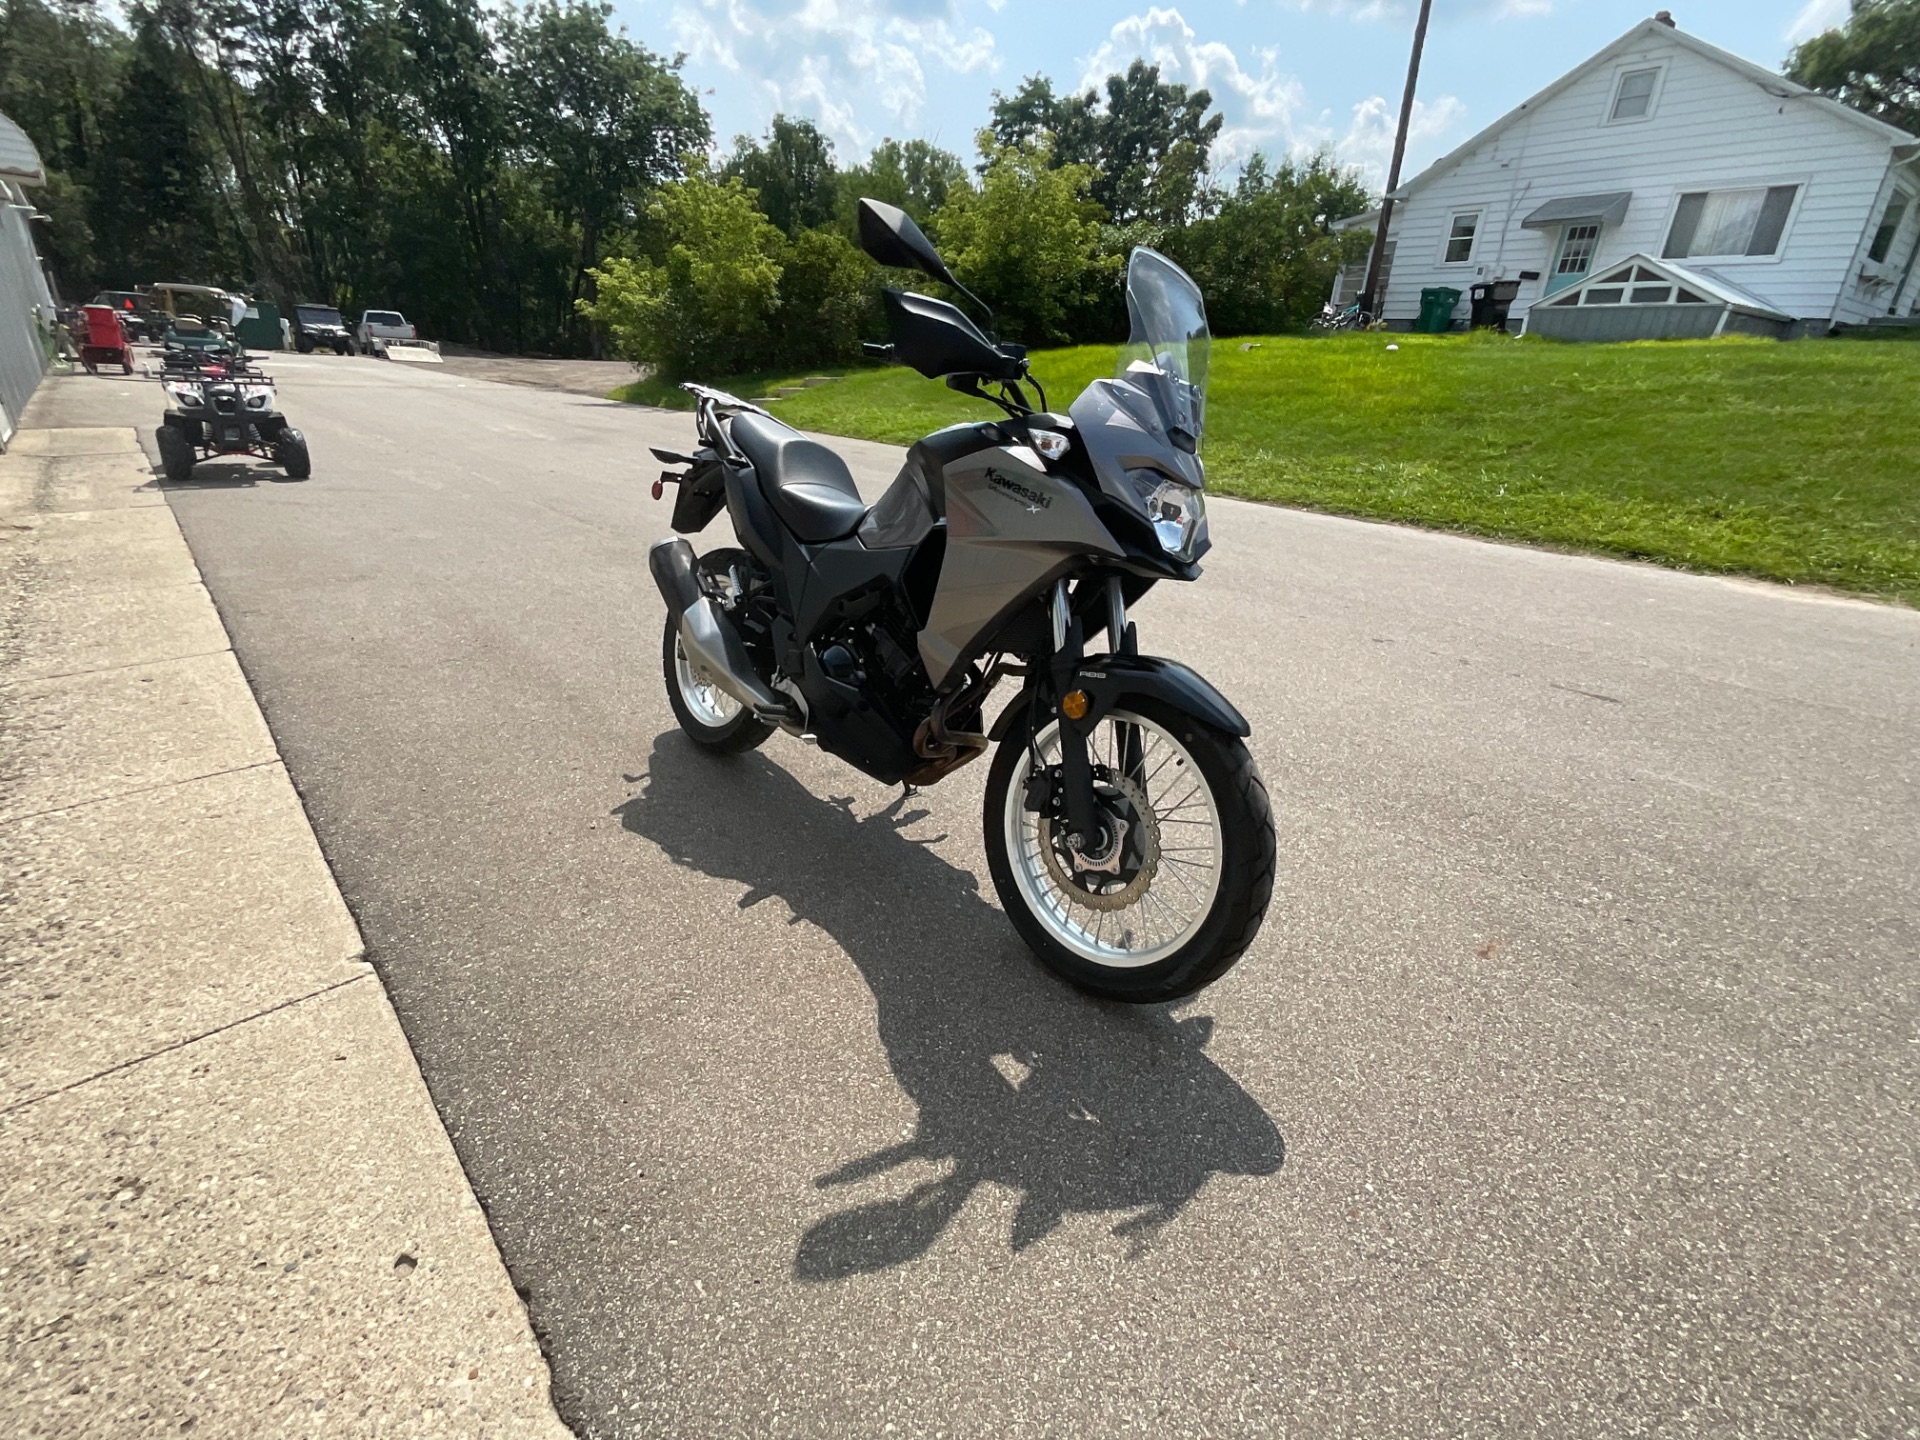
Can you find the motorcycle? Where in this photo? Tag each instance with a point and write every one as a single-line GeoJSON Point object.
{"type": "Point", "coordinates": [1127, 828]}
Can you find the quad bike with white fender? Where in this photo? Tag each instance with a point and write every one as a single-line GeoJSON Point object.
{"type": "Point", "coordinates": [223, 404]}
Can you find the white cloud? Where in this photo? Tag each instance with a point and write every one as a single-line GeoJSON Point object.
{"type": "Point", "coordinates": [1259, 105]}
{"type": "Point", "coordinates": [1815, 17]}
{"type": "Point", "coordinates": [1403, 11]}
{"type": "Point", "coordinates": [1264, 107]}
{"type": "Point", "coordinates": [834, 60]}
{"type": "Point", "coordinates": [1368, 142]}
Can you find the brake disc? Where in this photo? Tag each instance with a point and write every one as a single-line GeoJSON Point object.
{"type": "Point", "coordinates": [1145, 831]}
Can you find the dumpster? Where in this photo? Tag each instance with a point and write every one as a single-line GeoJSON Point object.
{"type": "Point", "coordinates": [1437, 304]}
{"type": "Point", "coordinates": [259, 328]}
{"type": "Point", "coordinates": [1493, 302]}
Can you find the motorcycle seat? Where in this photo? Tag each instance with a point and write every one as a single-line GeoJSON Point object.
{"type": "Point", "coordinates": [809, 487]}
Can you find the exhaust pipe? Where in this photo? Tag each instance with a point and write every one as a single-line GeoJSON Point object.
{"type": "Point", "coordinates": [713, 647]}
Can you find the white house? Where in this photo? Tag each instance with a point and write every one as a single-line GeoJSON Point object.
{"type": "Point", "coordinates": [1666, 187]}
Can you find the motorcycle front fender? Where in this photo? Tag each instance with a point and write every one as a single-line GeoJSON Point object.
{"type": "Point", "coordinates": [1110, 681]}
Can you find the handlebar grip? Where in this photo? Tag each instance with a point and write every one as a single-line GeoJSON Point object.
{"type": "Point", "coordinates": [878, 351]}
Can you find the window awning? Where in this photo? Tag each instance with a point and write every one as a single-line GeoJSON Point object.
{"type": "Point", "coordinates": [1580, 210]}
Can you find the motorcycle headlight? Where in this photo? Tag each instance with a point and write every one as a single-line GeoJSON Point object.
{"type": "Point", "coordinates": [186, 396]}
{"type": "Point", "coordinates": [257, 401]}
{"type": "Point", "coordinates": [1178, 511]}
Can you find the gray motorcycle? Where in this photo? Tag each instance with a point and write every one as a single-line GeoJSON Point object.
{"type": "Point", "coordinates": [1127, 827]}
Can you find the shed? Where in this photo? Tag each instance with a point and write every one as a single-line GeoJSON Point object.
{"type": "Point", "coordinates": [18, 159]}
{"type": "Point", "coordinates": [1647, 299]}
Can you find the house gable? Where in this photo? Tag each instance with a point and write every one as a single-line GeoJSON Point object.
{"type": "Point", "coordinates": [1787, 185]}
{"type": "Point", "coordinates": [1642, 46]}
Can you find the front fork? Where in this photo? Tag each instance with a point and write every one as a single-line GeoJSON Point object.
{"type": "Point", "coordinates": [1076, 766]}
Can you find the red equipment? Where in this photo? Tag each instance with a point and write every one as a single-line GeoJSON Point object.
{"type": "Point", "coordinates": [106, 340]}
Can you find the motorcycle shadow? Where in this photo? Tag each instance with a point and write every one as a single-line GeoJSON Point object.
{"type": "Point", "coordinates": [1021, 1082]}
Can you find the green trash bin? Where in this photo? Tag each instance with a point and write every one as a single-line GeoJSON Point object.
{"type": "Point", "coordinates": [1437, 305]}
{"type": "Point", "coordinates": [259, 329]}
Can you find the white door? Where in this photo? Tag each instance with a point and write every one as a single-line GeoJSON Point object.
{"type": "Point", "coordinates": [1575, 258]}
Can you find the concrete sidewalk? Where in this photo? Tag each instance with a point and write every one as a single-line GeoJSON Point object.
{"type": "Point", "coordinates": [227, 1205]}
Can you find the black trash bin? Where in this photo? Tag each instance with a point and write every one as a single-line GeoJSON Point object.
{"type": "Point", "coordinates": [1493, 302]}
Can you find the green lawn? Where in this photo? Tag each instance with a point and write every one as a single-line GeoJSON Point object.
{"type": "Point", "coordinates": [1796, 462]}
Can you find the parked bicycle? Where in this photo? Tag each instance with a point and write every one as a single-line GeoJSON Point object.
{"type": "Point", "coordinates": [1333, 319]}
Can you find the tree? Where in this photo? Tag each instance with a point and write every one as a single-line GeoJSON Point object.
{"type": "Point", "coordinates": [155, 213]}
{"type": "Point", "coordinates": [792, 172]}
{"type": "Point", "coordinates": [1027, 240]}
{"type": "Point", "coordinates": [599, 117]}
{"type": "Point", "coordinates": [828, 304]}
{"type": "Point", "coordinates": [914, 174]}
{"type": "Point", "coordinates": [1872, 62]}
{"type": "Point", "coordinates": [707, 304]}
{"type": "Point", "coordinates": [451, 77]}
{"type": "Point", "coordinates": [1147, 144]}
{"type": "Point", "coordinates": [1266, 260]}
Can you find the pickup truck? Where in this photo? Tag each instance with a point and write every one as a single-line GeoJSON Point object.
{"type": "Point", "coordinates": [379, 329]}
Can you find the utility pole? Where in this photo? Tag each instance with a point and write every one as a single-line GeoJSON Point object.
{"type": "Point", "coordinates": [1370, 294]}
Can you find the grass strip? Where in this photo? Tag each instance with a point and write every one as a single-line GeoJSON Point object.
{"type": "Point", "coordinates": [1797, 462]}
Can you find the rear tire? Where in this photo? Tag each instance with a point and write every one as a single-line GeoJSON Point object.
{"type": "Point", "coordinates": [1223, 908]}
{"type": "Point", "coordinates": [290, 453]}
{"type": "Point", "coordinates": [176, 454]}
{"type": "Point", "coordinates": [713, 720]}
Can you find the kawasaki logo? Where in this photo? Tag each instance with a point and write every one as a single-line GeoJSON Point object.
{"type": "Point", "coordinates": [1034, 500]}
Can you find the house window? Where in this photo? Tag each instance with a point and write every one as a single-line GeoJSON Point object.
{"type": "Point", "coordinates": [1460, 238]}
{"type": "Point", "coordinates": [1721, 223]}
{"type": "Point", "coordinates": [1889, 227]}
{"type": "Point", "coordinates": [1576, 249]}
{"type": "Point", "coordinates": [1633, 99]}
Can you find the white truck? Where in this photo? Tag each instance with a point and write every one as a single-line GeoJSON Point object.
{"type": "Point", "coordinates": [386, 334]}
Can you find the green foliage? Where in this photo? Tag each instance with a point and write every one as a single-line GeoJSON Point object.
{"type": "Point", "coordinates": [1146, 144]}
{"type": "Point", "coordinates": [463, 161]}
{"type": "Point", "coordinates": [829, 295]}
{"type": "Point", "coordinates": [1792, 462]}
{"type": "Point", "coordinates": [913, 174]}
{"type": "Point", "coordinates": [1026, 239]}
{"type": "Point", "coordinates": [1265, 260]}
{"type": "Point", "coordinates": [596, 118]}
{"type": "Point", "coordinates": [791, 172]}
{"type": "Point", "coordinates": [1872, 62]}
{"type": "Point", "coordinates": [708, 304]}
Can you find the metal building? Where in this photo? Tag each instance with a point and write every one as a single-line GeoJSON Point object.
{"type": "Point", "coordinates": [26, 305]}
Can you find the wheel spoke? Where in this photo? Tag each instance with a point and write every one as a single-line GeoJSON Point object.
{"type": "Point", "coordinates": [1110, 923]}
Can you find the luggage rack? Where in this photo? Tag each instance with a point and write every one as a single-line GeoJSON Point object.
{"type": "Point", "coordinates": [183, 364]}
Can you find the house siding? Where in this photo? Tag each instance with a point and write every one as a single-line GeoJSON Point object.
{"type": "Point", "coordinates": [1712, 128]}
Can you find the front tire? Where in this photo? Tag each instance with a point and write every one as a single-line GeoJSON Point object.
{"type": "Point", "coordinates": [176, 454]}
{"type": "Point", "coordinates": [1197, 862]}
{"type": "Point", "coordinates": [713, 719]}
{"type": "Point", "coordinates": [290, 451]}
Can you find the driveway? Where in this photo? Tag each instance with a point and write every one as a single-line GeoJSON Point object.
{"type": "Point", "coordinates": [1570, 1088]}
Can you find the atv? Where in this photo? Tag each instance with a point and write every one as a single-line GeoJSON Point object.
{"type": "Point", "coordinates": [222, 405]}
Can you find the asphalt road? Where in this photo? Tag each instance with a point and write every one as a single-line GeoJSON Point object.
{"type": "Point", "coordinates": [1569, 1090]}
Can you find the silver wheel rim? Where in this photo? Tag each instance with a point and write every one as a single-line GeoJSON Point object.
{"type": "Point", "coordinates": [707, 702]}
{"type": "Point", "coordinates": [1180, 896]}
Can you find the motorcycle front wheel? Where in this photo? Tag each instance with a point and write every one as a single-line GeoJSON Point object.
{"type": "Point", "coordinates": [1184, 871]}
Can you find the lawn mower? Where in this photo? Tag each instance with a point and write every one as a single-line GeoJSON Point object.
{"type": "Point", "coordinates": [222, 404]}
{"type": "Point", "coordinates": [105, 340]}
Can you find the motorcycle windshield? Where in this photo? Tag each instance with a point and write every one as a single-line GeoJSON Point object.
{"type": "Point", "coordinates": [1168, 341]}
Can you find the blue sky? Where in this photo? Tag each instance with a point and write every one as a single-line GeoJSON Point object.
{"type": "Point", "coordinates": [1288, 75]}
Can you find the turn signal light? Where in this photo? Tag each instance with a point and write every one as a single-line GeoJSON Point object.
{"type": "Point", "coordinates": [1073, 705]}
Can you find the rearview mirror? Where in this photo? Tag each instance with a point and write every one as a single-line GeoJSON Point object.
{"type": "Point", "coordinates": [888, 234]}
